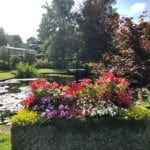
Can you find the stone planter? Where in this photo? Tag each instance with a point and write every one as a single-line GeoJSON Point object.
{"type": "Point", "coordinates": [73, 135]}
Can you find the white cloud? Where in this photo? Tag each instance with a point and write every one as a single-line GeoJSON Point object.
{"type": "Point", "coordinates": [138, 8]}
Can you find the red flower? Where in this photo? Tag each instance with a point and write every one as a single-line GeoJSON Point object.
{"type": "Point", "coordinates": [123, 99]}
{"type": "Point", "coordinates": [108, 77]}
{"type": "Point", "coordinates": [73, 89]}
{"type": "Point", "coordinates": [85, 82]}
{"type": "Point", "coordinates": [28, 101]}
{"type": "Point", "coordinates": [123, 81]}
{"type": "Point", "coordinates": [42, 84]}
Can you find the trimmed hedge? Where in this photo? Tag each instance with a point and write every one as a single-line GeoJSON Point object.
{"type": "Point", "coordinates": [103, 134]}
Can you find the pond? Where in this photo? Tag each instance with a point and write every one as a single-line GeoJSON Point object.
{"type": "Point", "coordinates": [12, 92]}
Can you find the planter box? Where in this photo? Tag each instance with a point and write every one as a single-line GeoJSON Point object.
{"type": "Point", "coordinates": [103, 134]}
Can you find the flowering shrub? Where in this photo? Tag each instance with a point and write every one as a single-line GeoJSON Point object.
{"type": "Point", "coordinates": [103, 97]}
{"type": "Point", "coordinates": [26, 117]}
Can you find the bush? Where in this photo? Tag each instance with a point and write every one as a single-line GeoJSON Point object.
{"type": "Point", "coordinates": [138, 112]}
{"type": "Point", "coordinates": [29, 58]}
{"type": "Point", "coordinates": [67, 135]}
{"type": "Point", "coordinates": [26, 117]}
{"type": "Point", "coordinates": [24, 70]}
{"type": "Point", "coordinates": [43, 63]}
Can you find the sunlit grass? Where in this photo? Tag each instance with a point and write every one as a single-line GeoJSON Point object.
{"type": "Point", "coordinates": [46, 70]}
{"type": "Point", "coordinates": [5, 143]}
{"type": "Point", "coordinates": [6, 75]}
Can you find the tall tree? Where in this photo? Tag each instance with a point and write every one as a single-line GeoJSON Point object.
{"type": "Point", "coordinates": [58, 31]}
{"type": "Point", "coordinates": [96, 32]}
{"type": "Point", "coordinates": [3, 37]}
{"type": "Point", "coordinates": [15, 41]}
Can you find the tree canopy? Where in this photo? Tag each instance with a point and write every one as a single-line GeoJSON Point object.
{"type": "Point", "coordinates": [58, 31]}
{"type": "Point", "coordinates": [96, 32]}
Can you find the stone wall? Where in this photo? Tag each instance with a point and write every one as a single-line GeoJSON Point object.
{"type": "Point", "coordinates": [73, 135]}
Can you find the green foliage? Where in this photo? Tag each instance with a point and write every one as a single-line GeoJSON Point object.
{"type": "Point", "coordinates": [58, 33]}
{"type": "Point", "coordinates": [146, 96]}
{"type": "Point", "coordinates": [14, 60]}
{"type": "Point", "coordinates": [26, 117]}
{"type": "Point", "coordinates": [42, 63]}
{"type": "Point", "coordinates": [5, 141]}
{"type": "Point", "coordinates": [96, 32]}
{"type": "Point", "coordinates": [15, 41]}
{"type": "Point", "coordinates": [29, 57]}
{"type": "Point", "coordinates": [32, 43]}
{"type": "Point", "coordinates": [67, 135]}
{"type": "Point", "coordinates": [4, 59]}
{"type": "Point", "coordinates": [137, 112]}
{"type": "Point", "coordinates": [3, 37]}
{"type": "Point", "coordinates": [24, 70]}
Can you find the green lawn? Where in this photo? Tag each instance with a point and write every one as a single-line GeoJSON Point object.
{"type": "Point", "coordinates": [45, 70]}
{"type": "Point", "coordinates": [10, 74]}
{"type": "Point", "coordinates": [5, 143]}
{"type": "Point", "coordinates": [6, 75]}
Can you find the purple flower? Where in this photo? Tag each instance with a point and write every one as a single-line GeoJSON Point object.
{"type": "Point", "coordinates": [47, 110]}
{"type": "Point", "coordinates": [42, 107]}
{"type": "Point", "coordinates": [50, 106]}
{"type": "Point", "coordinates": [62, 114]}
{"type": "Point", "coordinates": [49, 114]}
{"type": "Point", "coordinates": [44, 100]}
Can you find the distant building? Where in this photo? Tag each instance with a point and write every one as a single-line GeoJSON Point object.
{"type": "Point", "coordinates": [18, 51]}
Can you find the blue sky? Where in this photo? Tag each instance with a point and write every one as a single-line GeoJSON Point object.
{"type": "Point", "coordinates": [23, 16]}
{"type": "Point", "coordinates": [132, 7]}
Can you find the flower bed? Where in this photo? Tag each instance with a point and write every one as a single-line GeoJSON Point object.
{"type": "Point", "coordinates": [51, 107]}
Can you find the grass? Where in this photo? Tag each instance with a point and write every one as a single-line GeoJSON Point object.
{"type": "Point", "coordinates": [6, 75]}
{"type": "Point", "coordinates": [11, 74]}
{"type": "Point", "coordinates": [46, 70]}
{"type": "Point", "coordinates": [5, 143]}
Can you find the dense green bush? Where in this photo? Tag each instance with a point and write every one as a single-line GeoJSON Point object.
{"type": "Point", "coordinates": [104, 134]}
{"type": "Point", "coordinates": [24, 70]}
